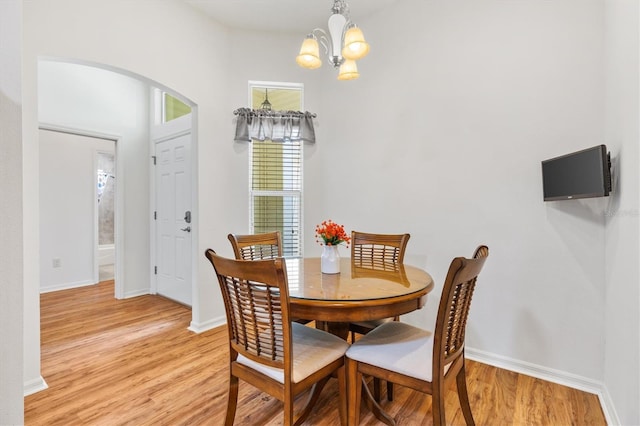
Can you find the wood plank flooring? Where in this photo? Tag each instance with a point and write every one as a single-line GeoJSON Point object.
{"type": "Point", "coordinates": [133, 362]}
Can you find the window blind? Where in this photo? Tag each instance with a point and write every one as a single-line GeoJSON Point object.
{"type": "Point", "coordinates": [276, 191]}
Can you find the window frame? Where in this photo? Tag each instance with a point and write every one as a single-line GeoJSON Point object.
{"type": "Point", "coordinates": [300, 193]}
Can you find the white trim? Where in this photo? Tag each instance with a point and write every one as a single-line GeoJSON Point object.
{"type": "Point", "coordinates": [207, 325]}
{"type": "Point", "coordinates": [79, 132]}
{"type": "Point", "coordinates": [551, 375]}
{"type": "Point", "coordinates": [155, 97]}
{"type": "Point", "coordinates": [96, 219]}
{"type": "Point", "coordinates": [195, 216]}
{"type": "Point", "coordinates": [136, 293]}
{"type": "Point", "coordinates": [33, 386]}
{"type": "Point", "coordinates": [608, 407]}
{"type": "Point", "coordinates": [67, 286]}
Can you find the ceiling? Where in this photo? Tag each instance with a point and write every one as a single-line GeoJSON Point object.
{"type": "Point", "coordinates": [290, 16]}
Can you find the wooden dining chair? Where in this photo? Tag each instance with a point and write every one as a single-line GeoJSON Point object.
{"type": "Point", "coordinates": [266, 349]}
{"type": "Point", "coordinates": [378, 248]}
{"type": "Point", "coordinates": [417, 358]}
{"type": "Point", "coordinates": [380, 251]}
{"type": "Point", "coordinates": [259, 247]}
{"type": "Point", "coordinates": [256, 246]}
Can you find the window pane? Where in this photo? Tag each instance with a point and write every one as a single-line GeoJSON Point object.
{"type": "Point", "coordinates": [279, 213]}
{"type": "Point", "coordinates": [276, 166]}
{"type": "Point", "coordinates": [174, 108]}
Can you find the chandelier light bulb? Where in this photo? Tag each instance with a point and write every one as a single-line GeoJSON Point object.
{"type": "Point", "coordinates": [355, 46]}
{"type": "Point", "coordinates": [348, 70]}
{"type": "Point", "coordinates": [309, 56]}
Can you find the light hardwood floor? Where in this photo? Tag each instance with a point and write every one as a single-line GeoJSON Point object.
{"type": "Point", "coordinates": [133, 362]}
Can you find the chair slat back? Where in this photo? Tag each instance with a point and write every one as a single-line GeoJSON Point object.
{"type": "Point", "coordinates": [481, 251]}
{"type": "Point", "coordinates": [256, 302]}
{"type": "Point", "coordinates": [378, 249]}
{"type": "Point", "coordinates": [256, 246]}
{"type": "Point", "coordinates": [453, 310]}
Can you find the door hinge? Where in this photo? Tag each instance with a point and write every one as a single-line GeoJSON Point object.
{"type": "Point", "coordinates": [154, 159]}
{"type": "Point", "coordinates": [155, 215]}
{"type": "Point", "coordinates": [155, 270]}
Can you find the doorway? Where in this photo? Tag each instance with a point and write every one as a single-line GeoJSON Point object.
{"type": "Point", "coordinates": [69, 206]}
{"type": "Point", "coordinates": [106, 101]}
{"type": "Point", "coordinates": [106, 209]}
{"type": "Point", "coordinates": [173, 209]}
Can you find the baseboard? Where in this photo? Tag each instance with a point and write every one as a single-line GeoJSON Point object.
{"type": "Point", "coordinates": [609, 409]}
{"type": "Point", "coordinates": [66, 286]}
{"type": "Point", "coordinates": [208, 325]}
{"type": "Point", "coordinates": [136, 293]}
{"type": "Point", "coordinates": [551, 375]}
{"type": "Point", "coordinates": [33, 386]}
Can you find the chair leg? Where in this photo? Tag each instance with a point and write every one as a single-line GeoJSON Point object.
{"type": "Point", "coordinates": [288, 410]}
{"type": "Point", "coordinates": [354, 390]}
{"type": "Point", "coordinates": [390, 391]}
{"type": "Point", "coordinates": [377, 389]}
{"type": "Point", "coordinates": [437, 404]}
{"type": "Point", "coordinates": [232, 402]}
{"type": "Point", "coordinates": [343, 395]}
{"type": "Point", "coordinates": [463, 396]}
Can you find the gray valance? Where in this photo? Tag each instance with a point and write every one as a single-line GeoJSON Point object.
{"type": "Point", "coordinates": [280, 126]}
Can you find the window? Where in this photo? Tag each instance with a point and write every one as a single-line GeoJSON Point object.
{"type": "Point", "coordinates": [173, 108]}
{"type": "Point", "coordinates": [276, 172]}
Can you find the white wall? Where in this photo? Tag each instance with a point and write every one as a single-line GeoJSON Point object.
{"type": "Point", "coordinates": [457, 104]}
{"type": "Point", "coordinates": [11, 254]}
{"type": "Point", "coordinates": [192, 59]}
{"type": "Point", "coordinates": [99, 101]}
{"type": "Point", "coordinates": [622, 293]}
{"type": "Point", "coordinates": [68, 209]}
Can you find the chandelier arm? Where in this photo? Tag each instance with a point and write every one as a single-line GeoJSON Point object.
{"type": "Point", "coordinates": [322, 37]}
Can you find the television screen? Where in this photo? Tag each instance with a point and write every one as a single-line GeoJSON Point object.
{"type": "Point", "coordinates": [581, 174]}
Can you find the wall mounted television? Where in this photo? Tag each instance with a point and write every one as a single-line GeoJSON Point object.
{"type": "Point", "coordinates": [581, 174]}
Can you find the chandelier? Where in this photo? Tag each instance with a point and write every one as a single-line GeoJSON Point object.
{"type": "Point", "coordinates": [344, 44]}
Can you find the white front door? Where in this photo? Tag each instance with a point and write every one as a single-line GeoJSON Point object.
{"type": "Point", "coordinates": [173, 217]}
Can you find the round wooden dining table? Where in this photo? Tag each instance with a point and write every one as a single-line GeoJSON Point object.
{"type": "Point", "coordinates": [360, 292]}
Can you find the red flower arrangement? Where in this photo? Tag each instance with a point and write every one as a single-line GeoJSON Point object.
{"type": "Point", "coordinates": [331, 233]}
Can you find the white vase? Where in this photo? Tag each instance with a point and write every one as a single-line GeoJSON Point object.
{"type": "Point", "coordinates": [330, 260]}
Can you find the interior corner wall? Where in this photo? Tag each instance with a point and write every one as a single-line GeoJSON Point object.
{"type": "Point", "coordinates": [622, 135]}
{"type": "Point", "coordinates": [11, 249]}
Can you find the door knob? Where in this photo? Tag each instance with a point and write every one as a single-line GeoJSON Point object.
{"type": "Point", "coordinates": [187, 229]}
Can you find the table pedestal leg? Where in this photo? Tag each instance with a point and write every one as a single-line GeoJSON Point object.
{"type": "Point", "coordinates": [340, 329]}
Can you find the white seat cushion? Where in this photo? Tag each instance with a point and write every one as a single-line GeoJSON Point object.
{"type": "Point", "coordinates": [397, 346]}
{"type": "Point", "coordinates": [312, 350]}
